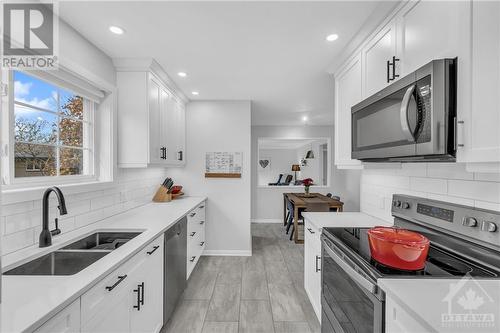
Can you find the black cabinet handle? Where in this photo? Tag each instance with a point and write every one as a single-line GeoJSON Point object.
{"type": "Point", "coordinates": [179, 155]}
{"type": "Point", "coordinates": [388, 71]}
{"type": "Point", "coordinates": [192, 214]}
{"type": "Point", "coordinates": [201, 207]}
{"type": "Point", "coordinates": [120, 279]}
{"type": "Point", "coordinates": [153, 250]}
{"type": "Point", "coordinates": [193, 233]}
{"type": "Point", "coordinates": [310, 230]}
{"type": "Point", "coordinates": [201, 222]}
{"type": "Point", "coordinates": [140, 300]}
{"type": "Point", "coordinates": [394, 75]}
{"type": "Point", "coordinates": [317, 268]}
{"type": "Point", "coordinates": [192, 259]}
{"type": "Point", "coordinates": [201, 244]}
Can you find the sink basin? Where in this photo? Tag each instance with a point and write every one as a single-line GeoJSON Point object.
{"type": "Point", "coordinates": [58, 263]}
{"type": "Point", "coordinates": [102, 240]}
{"type": "Point", "coordinates": [76, 256]}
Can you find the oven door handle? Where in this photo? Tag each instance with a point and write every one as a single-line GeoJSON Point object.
{"type": "Point", "coordinates": [403, 114]}
{"type": "Point", "coordinates": [363, 282]}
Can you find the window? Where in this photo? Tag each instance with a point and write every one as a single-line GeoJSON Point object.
{"type": "Point", "coordinates": [51, 130]}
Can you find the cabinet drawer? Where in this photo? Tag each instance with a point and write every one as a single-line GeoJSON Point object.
{"type": "Point", "coordinates": [197, 214]}
{"type": "Point", "coordinates": [107, 292]}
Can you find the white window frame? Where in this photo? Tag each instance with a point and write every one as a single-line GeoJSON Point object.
{"type": "Point", "coordinates": [8, 157]}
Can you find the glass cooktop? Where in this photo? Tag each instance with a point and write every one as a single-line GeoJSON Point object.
{"type": "Point", "coordinates": [440, 263]}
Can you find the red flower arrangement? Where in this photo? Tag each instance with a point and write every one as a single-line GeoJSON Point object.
{"type": "Point", "coordinates": [307, 183]}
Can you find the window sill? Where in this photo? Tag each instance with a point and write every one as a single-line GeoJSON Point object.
{"type": "Point", "coordinates": [10, 196]}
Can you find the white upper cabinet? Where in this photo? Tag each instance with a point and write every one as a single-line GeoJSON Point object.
{"type": "Point", "coordinates": [348, 92]}
{"type": "Point", "coordinates": [430, 30]}
{"type": "Point", "coordinates": [479, 120]}
{"type": "Point", "coordinates": [378, 55]}
{"type": "Point", "coordinates": [416, 33]}
{"type": "Point", "coordinates": [151, 130]}
{"type": "Point", "coordinates": [176, 132]}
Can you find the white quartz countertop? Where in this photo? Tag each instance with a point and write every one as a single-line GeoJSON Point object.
{"type": "Point", "coordinates": [429, 301]}
{"type": "Point", "coordinates": [343, 219]}
{"type": "Point", "coordinates": [28, 301]}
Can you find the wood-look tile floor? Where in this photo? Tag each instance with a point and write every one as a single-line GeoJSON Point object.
{"type": "Point", "coordinates": [262, 293]}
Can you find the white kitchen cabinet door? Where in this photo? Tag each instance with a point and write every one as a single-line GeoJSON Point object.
{"type": "Point", "coordinates": [430, 30]}
{"type": "Point", "coordinates": [176, 131]}
{"type": "Point", "coordinates": [348, 92]}
{"type": "Point", "coordinates": [376, 53]}
{"type": "Point", "coordinates": [147, 289]}
{"type": "Point", "coordinates": [181, 133]}
{"type": "Point", "coordinates": [114, 316]}
{"type": "Point", "coordinates": [155, 121]}
{"type": "Point", "coordinates": [478, 128]}
{"type": "Point", "coordinates": [312, 267]}
{"type": "Point", "coordinates": [66, 321]}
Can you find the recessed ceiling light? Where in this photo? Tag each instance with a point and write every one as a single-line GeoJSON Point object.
{"type": "Point", "coordinates": [305, 118]}
{"type": "Point", "coordinates": [195, 93]}
{"type": "Point", "coordinates": [332, 37]}
{"type": "Point", "coordinates": [116, 30]}
{"type": "Point", "coordinates": [182, 74]}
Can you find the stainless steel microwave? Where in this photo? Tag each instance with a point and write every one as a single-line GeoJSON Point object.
{"type": "Point", "coordinates": [412, 120]}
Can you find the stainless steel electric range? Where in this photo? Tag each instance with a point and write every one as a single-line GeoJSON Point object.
{"type": "Point", "coordinates": [464, 241]}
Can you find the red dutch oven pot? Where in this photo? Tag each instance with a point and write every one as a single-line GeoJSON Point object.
{"type": "Point", "coordinates": [398, 248]}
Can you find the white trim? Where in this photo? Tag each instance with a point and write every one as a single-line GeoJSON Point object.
{"type": "Point", "coordinates": [150, 65]}
{"type": "Point", "coordinates": [267, 221]}
{"type": "Point", "coordinates": [235, 253]}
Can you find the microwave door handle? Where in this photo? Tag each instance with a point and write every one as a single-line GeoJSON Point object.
{"type": "Point", "coordinates": [403, 114]}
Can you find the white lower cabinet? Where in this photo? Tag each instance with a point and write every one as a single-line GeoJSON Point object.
{"type": "Point", "coordinates": [195, 236]}
{"type": "Point", "coordinates": [397, 319]}
{"type": "Point", "coordinates": [66, 321]}
{"type": "Point", "coordinates": [312, 266]}
{"type": "Point", "coordinates": [130, 299]}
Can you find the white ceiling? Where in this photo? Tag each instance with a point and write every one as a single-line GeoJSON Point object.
{"type": "Point", "coordinates": [273, 53]}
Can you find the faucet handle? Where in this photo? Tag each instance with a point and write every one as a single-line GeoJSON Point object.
{"type": "Point", "coordinates": [56, 231]}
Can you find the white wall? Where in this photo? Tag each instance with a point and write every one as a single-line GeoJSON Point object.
{"type": "Point", "coordinates": [281, 163]}
{"type": "Point", "coordinates": [20, 221]}
{"type": "Point", "coordinates": [440, 181]}
{"type": "Point", "coordinates": [267, 202]}
{"type": "Point", "coordinates": [219, 126]}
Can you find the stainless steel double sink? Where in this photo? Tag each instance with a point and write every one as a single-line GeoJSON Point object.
{"type": "Point", "coordinates": [76, 256]}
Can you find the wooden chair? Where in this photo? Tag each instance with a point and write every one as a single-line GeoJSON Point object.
{"type": "Point", "coordinates": [312, 207]}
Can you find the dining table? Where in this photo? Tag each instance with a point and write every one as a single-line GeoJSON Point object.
{"type": "Point", "coordinates": [300, 202]}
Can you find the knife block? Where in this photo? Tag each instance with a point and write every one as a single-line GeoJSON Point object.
{"type": "Point", "coordinates": [162, 195]}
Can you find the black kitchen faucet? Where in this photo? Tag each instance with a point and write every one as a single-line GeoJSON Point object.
{"type": "Point", "coordinates": [46, 234]}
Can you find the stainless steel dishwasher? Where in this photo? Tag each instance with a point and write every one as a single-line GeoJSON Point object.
{"type": "Point", "coordinates": [175, 266]}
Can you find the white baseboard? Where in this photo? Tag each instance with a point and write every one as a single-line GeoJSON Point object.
{"type": "Point", "coordinates": [267, 221]}
{"type": "Point", "coordinates": [234, 253]}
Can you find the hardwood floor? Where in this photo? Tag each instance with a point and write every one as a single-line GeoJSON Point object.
{"type": "Point", "coordinates": [262, 293]}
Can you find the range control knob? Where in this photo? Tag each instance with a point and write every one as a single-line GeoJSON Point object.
{"type": "Point", "coordinates": [406, 205]}
{"type": "Point", "coordinates": [469, 222]}
{"type": "Point", "coordinates": [397, 203]}
{"type": "Point", "coordinates": [488, 226]}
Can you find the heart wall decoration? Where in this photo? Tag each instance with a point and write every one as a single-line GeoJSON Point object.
{"type": "Point", "coordinates": [264, 163]}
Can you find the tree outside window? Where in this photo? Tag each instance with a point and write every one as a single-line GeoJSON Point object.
{"type": "Point", "coordinates": [51, 131]}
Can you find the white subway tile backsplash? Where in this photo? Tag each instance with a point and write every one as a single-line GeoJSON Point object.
{"type": "Point", "coordinates": [448, 171]}
{"type": "Point", "coordinates": [484, 191]}
{"type": "Point", "coordinates": [429, 185]}
{"type": "Point", "coordinates": [449, 182]}
{"type": "Point", "coordinates": [20, 223]}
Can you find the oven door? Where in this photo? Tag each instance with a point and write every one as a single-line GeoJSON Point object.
{"type": "Point", "coordinates": [350, 301]}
